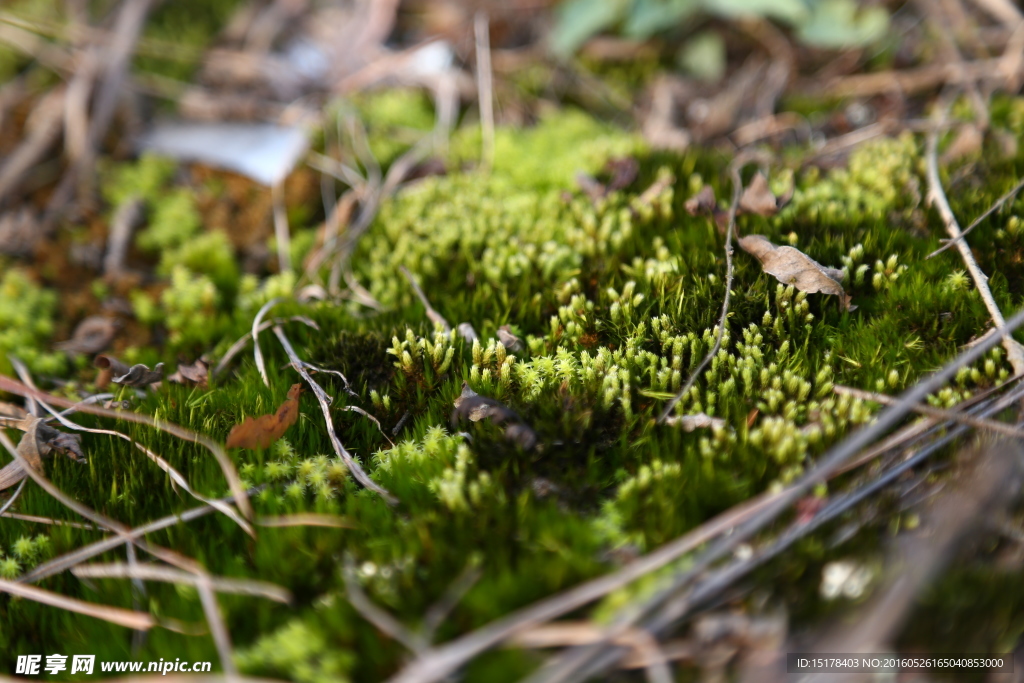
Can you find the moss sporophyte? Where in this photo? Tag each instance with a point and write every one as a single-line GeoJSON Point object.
{"type": "Point", "coordinates": [615, 301]}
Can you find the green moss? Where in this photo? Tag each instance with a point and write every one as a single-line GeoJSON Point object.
{"type": "Point", "coordinates": [209, 254]}
{"type": "Point", "coordinates": [191, 306]}
{"type": "Point", "coordinates": [173, 221]}
{"type": "Point", "coordinates": [26, 323]}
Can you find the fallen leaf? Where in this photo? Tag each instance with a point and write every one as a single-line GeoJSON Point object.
{"type": "Point", "coordinates": [791, 266]}
{"type": "Point", "coordinates": [757, 197]}
{"type": "Point", "coordinates": [702, 203]}
{"type": "Point", "coordinates": [140, 376]}
{"type": "Point", "coordinates": [509, 340]}
{"type": "Point", "coordinates": [91, 336]}
{"type": "Point", "coordinates": [192, 374]}
{"type": "Point", "coordinates": [688, 423]}
{"type": "Point", "coordinates": [110, 368]}
{"type": "Point", "coordinates": [260, 432]}
{"type": "Point", "coordinates": [474, 407]}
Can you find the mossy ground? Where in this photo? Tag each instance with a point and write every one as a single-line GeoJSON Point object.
{"type": "Point", "coordinates": [615, 302]}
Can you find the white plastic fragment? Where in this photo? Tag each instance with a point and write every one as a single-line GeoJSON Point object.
{"type": "Point", "coordinates": [265, 152]}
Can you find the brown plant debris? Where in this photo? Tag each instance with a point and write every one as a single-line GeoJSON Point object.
{"type": "Point", "coordinates": [790, 266]}
{"type": "Point", "coordinates": [194, 374]}
{"type": "Point", "coordinates": [39, 441]}
{"type": "Point", "coordinates": [474, 407]}
{"type": "Point", "coordinates": [110, 368]}
{"type": "Point", "coordinates": [509, 340]}
{"type": "Point", "coordinates": [758, 198]}
{"type": "Point", "coordinates": [140, 376]}
{"type": "Point", "coordinates": [91, 336]}
{"type": "Point", "coordinates": [264, 430]}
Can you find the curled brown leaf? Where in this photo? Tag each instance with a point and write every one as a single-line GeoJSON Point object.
{"type": "Point", "coordinates": [91, 336]}
{"type": "Point", "coordinates": [140, 376]}
{"type": "Point", "coordinates": [474, 407]}
{"type": "Point", "coordinates": [264, 430]}
{"type": "Point", "coordinates": [194, 374]}
{"type": "Point", "coordinates": [790, 266]}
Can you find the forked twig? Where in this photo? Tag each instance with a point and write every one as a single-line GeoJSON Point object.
{"type": "Point", "coordinates": [324, 400]}
{"type": "Point", "coordinates": [977, 221]}
{"type": "Point", "coordinates": [176, 477]}
{"type": "Point", "coordinates": [1014, 352]}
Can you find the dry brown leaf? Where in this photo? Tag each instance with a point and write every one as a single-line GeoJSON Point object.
{"type": "Point", "coordinates": [196, 374]}
{"type": "Point", "coordinates": [264, 430]}
{"type": "Point", "coordinates": [791, 266]}
{"type": "Point", "coordinates": [688, 423]}
{"type": "Point", "coordinates": [758, 198]}
{"type": "Point", "coordinates": [140, 376]}
{"type": "Point", "coordinates": [91, 336]}
{"type": "Point", "coordinates": [474, 407]}
{"type": "Point", "coordinates": [509, 340]}
{"type": "Point", "coordinates": [110, 368]}
{"type": "Point", "coordinates": [702, 203]}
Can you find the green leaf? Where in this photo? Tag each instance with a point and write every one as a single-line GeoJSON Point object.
{"type": "Point", "coordinates": [647, 17]}
{"type": "Point", "coordinates": [703, 56]}
{"type": "Point", "coordinates": [578, 20]}
{"type": "Point", "coordinates": [837, 23]}
{"type": "Point", "coordinates": [790, 11]}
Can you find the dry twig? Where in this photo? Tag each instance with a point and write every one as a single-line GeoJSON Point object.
{"type": "Point", "coordinates": [1014, 352]}
{"type": "Point", "coordinates": [325, 400]}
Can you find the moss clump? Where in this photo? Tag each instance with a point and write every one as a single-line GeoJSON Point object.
{"type": "Point", "coordinates": [881, 178]}
{"type": "Point", "coordinates": [549, 155]}
{"type": "Point", "coordinates": [209, 254]}
{"type": "Point", "coordinates": [26, 323]}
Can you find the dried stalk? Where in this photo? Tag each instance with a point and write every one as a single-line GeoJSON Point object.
{"type": "Point", "coordinates": [1014, 352]}
{"type": "Point", "coordinates": [925, 409]}
{"type": "Point", "coordinates": [256, 351]}
{"type": "Point", "coordinates": [325, 400]}
{"type": "Point", "coordinates": [139, 621]}
{"type": "Point", "coordinates": [237, 347]}
{"type": "Point", "coordinates": [235, 484]}
{"type": "Point", "coordinates": [68, 560]}
{"type": "Point", "coordinates": [150, 572]}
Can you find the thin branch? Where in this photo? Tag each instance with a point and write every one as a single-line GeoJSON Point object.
{"type": "Point", "coordinates": [325, 400]}
{"type": "Point", "coordinates": [306, 519]}
{"type": "Point", "coordinates": [485, 85]}
{"type": "Point", "coordinates": [737, 189]}
{"type": "Point", "coordinates": [988, 212]}
{"type": "Point", "coordinates": [433, 315]}
{"type": "Point", "coordinates": [925, 409]}
{"type": "Point", "coordinates": [281, 231]}
{"type": "Point", "coordinates": [1014, 352]}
